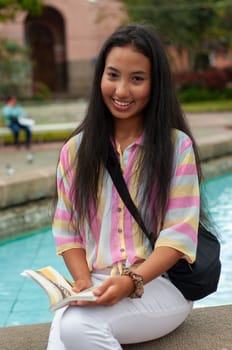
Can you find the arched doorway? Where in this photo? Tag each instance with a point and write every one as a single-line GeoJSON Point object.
{"type": "Point", "coordinates": [45, 35]}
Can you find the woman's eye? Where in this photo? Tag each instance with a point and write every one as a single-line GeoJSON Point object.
{"type": "Point", "coordinates": [112, 75]}
{"type": "Point", "coordinates": [138, 79]}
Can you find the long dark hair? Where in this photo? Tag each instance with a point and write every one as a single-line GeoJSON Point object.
{"type": "Point", "coordinates": [161, 115]}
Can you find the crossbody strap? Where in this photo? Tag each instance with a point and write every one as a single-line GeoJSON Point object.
{"type": "Point", "coordinates": [115, 171]}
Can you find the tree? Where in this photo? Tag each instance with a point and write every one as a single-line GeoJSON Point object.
{"type": "Point", "coordinates": [15, 64]}
{"type": "Point", "coordinates": [8, 8]}
{"type": "Point", "coordinates": [196, 26]}
{"type": "Point", "coordinates": [15, 69]}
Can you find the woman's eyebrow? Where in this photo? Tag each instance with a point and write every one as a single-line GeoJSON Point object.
{"type": "Point", "coordinates": [138, 72]}
{"type": "Point", "coordinates": [112, 68]}
{"type": "Point", "coordinates": [117, 70]}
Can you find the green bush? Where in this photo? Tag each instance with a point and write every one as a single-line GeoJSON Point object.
{"type": "Point", "coordinates": [198, 93]}
{"type": "Point", "coordinates": [15, 69]}
{"type": "Point", "coordinates": [227, 93]}
{"type": "Point", "coordinates": [42, 92]}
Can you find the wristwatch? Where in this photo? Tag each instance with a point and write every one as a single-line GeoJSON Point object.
{"type": "Point", "coordinates": [138, 283]}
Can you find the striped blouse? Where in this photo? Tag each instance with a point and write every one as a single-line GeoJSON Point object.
{"type": "Point", "coordinates": [114, 237]}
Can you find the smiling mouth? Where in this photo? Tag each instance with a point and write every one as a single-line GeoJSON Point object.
{"type": "Point", "coordinates": [122, 104]}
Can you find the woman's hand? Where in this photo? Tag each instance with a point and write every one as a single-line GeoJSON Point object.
{"type": "Point", "coordinates": [79, 285]}
{"type": "Point", "coordinates": [82, 284]}
{"type": "Point", "coordinates": [111, 291]}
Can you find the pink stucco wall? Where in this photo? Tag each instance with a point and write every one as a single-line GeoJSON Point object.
{"type": "Point", "coordinates": [14, 29]}
{"type": "Point", "coordinates": [87, 24]}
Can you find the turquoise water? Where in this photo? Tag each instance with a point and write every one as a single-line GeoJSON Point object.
{"type": "Point", "coordinates": [219, 194]}
{"type": "Point", "coordinates": [24, 302]}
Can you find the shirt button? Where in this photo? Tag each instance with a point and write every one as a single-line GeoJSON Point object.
{"type": "Point", "coordinates": [119, 209]}
{"type": "Point", "coordinates": [122, 250]}
{"type": "Point", "coordinates": [119, 230]}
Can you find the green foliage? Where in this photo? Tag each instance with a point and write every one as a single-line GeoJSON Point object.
{"type": "Point", "coordinates": [42, 92]}
{"type": "Point", "coordinates": [208, 106]}
{"type": "Point", "coordinates": [198, 94]}
{"type": "Point", "coordinates": [195, 25]}
{"type": "Point", "coordinates": [14, 48]}
{"type": "Point", "coordinates": [8, 8]}
{"type": "Point", "coordinates": [15, 68]}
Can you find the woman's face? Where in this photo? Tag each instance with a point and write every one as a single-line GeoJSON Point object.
{"type": "Point", "coordinates": [126, 82]}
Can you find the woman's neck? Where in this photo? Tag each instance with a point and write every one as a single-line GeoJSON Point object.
{"type": "Point", "coordinates": [127, 131]}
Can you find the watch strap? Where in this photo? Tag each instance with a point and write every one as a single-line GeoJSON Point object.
{"type": "Point", "coordinates": [138, 283]}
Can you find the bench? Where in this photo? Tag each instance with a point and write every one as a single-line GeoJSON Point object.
{"type": "Point", "coordinates": [41, 132]}
{"type": "Point", "coordinates": [205, 329]}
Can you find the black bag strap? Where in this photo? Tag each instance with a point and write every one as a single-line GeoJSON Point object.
{"type": "Point", "coordinates": [115, 171]}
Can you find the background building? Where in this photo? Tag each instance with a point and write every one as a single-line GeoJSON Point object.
{"type": "Point", "coordinates": [65, 41]}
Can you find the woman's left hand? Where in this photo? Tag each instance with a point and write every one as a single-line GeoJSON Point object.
{"type": "Point", "coordinates": [111, 291]}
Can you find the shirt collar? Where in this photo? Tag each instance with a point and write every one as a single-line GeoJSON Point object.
{"type": "Point", "coordinates": [137, 142]}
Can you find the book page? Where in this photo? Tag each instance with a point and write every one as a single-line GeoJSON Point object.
{"type": "Point", "coordinates": [57, 287]}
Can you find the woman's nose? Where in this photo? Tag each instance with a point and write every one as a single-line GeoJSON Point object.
{"type": "Point", "coordinates": [122, 89]}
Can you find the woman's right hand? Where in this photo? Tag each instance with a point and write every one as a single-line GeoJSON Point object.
{"type": "Point", "coordinates": [82, 284]}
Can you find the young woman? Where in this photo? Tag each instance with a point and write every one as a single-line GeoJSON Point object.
{"type": "Point", "coordinates": [132, 105]}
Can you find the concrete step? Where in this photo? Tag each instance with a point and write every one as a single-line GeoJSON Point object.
{"type": "Point", "coordinates": [205, 329]}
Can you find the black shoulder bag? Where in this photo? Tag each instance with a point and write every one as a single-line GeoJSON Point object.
{"type": "Point", "coordinates": [195, 281]}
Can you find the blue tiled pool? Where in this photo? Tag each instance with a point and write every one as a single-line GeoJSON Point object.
{"type": "Point", "coordinates": [23, 302]}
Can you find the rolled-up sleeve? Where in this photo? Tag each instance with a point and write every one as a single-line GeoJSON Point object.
{"type": "Point", "coordinates": [180, 225]}
{"type": "Point", "coordinates": [64, 226]}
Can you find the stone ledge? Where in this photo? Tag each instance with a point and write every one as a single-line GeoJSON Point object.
{"type": "Point", "coordinates": [33, 185]}
{"type": "Point", "coordinates": [22, 219]}
{"type": "Point", "coordinates": [215, 146]}
{"type": "Point", "coordinates": [217, 167]}
{"type": "Point", "coordinates": [205, 329]}
{"type": "Point", "coordinates": [42, 132]}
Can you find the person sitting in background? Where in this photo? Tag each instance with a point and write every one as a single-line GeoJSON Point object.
{"type": "Point", "coordinates": [12, 112]}
{"type": "Point", "coordinates": [15, 118]}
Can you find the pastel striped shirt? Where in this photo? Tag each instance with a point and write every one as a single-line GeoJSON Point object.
{"type": "Point", "coordinates": [114, 237]}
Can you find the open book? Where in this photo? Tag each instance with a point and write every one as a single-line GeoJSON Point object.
{"type": "Point", "coordinates": [58, 287]}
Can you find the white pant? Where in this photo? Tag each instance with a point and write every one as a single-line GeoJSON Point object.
{"type": "Point", "coordinates": [161, 309]}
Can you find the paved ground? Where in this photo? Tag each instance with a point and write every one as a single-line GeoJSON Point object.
{"type": "Point", "coordinates": [206, 127]}
{"type": "Point", "coordinates": [205, 329]}
{"type": "Point", "coordinates": [14, 161]}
